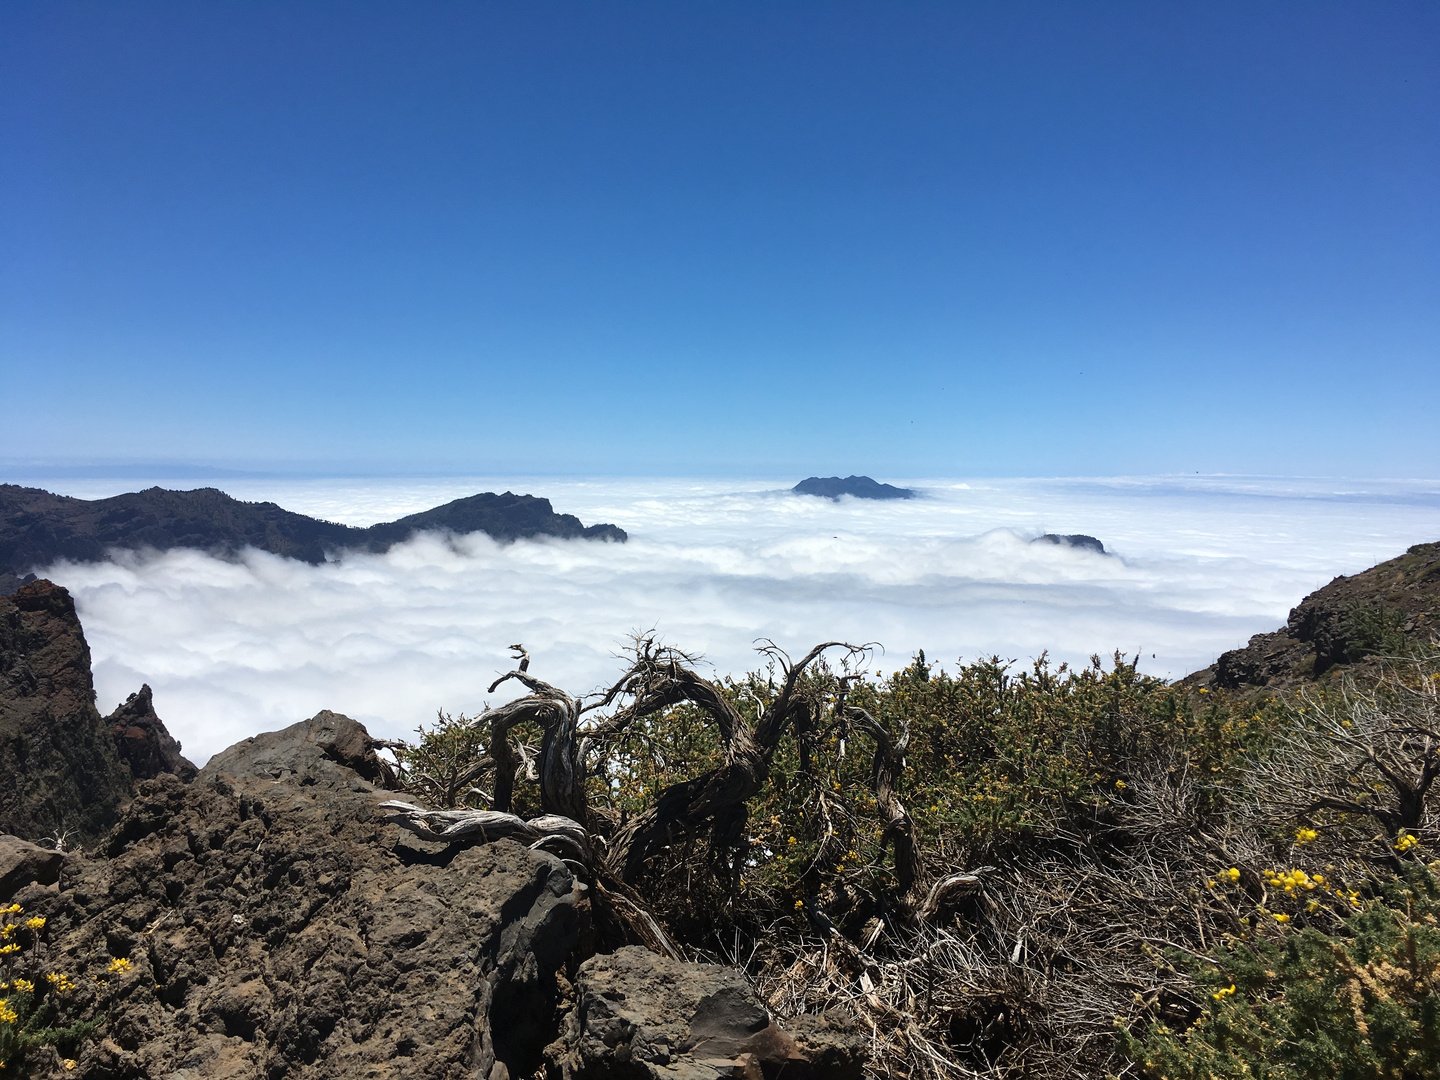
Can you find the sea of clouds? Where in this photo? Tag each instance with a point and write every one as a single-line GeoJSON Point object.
{"type": "Point", "coordinates": [232, 648]}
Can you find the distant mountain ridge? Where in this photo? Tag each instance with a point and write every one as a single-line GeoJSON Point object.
{"type": "Point", "coordinates": [38, 527]}
{"type": "Point", "coordinates": [860, 487]}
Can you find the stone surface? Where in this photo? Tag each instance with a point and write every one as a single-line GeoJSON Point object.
{"type": "Point", "coordinates": [62, 773]}
{"type": "Point", "coordinates": [23, 863]}
{"type": "Point", "coordinates": [640, 1015]}
{"type": "Point", "coordinates": [277, 926]}
{"type": "Point", "coordinates": [142, 741]}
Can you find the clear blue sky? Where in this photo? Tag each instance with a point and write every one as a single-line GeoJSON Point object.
{"type": "Point", "coordinates": [899, 238]}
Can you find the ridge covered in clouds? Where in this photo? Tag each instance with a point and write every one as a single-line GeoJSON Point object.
{"type": "Point", "coordinates": [236, 647]}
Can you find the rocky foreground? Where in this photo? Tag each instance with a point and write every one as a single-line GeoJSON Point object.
{"type": "Point", "coordinates": [262, 918]}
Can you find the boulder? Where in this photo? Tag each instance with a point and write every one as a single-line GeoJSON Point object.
{"type": "Point", "coordinates": [278, 926]}
{"type": "Point", "coordinates": [23, 863]}
{"type": "Point", "coordinates": [637, 1014]}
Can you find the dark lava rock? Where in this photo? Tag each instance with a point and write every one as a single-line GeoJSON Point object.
{"type": "Point", "coordinates": [143, 742]}
{"type": "Point", "coordinates": [1074, 540]}
{"type": "Point", "coordinates": [1347, 626]}
{"type": "Point", "coordinates": [640, 1015]}
{"type": "Point", "coordinates": [861, 487]}
{"type": "Point", "coordinates": [61, 772]}
{"type": "Point", "coordinates": [276, 926]}
{"type": "Point", "coordinates": [23, 863]}
{"type": "Point", "coordinates": [37, 528]}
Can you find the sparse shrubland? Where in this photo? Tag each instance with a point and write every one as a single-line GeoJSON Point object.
{"type": "Point", "coordinates": [1002, 870]}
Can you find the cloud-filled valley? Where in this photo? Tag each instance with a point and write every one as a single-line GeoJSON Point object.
{"type": "Point", "coordinates": [236, 647]}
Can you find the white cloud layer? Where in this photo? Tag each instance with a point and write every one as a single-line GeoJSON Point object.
{"type": "Point", "coordinates": [233, 648]}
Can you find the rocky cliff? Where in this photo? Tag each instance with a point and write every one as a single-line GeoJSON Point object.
{"type": "Point", "coordinates": [66, 769]}
{"type": "Point", "coordinates": [37, 527]}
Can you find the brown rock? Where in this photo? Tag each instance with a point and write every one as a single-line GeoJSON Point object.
{"type": "Point", "coordinates": [142, 741]}
{"type": "Point", "coordinates": [23, 863]}
{"type": "Point", "coordinates": [277, 927]}
{"type": "Point", "coordinates": [62, 773]}
{"type": "Point", "coordinates": [641, 1015]}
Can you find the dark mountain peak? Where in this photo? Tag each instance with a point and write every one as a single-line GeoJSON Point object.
{"type": "Point", "coordinates": [1075, 540]}
{"type": "Point", "coordinates": [38, 527]}
{"type": "Point", "coordinates": [861, 487]}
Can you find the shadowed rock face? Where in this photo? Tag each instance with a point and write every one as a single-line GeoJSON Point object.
{"type": "Point", "coordinates": [66, 769]}
{"type": "Point", "coordinates": [142, 741]}
{"type": "Point", "coordinates": [1347, 624]}
{"type": "Point", "coordinates": [38, 528]}
{"type": "Point", "coordinates": [861, 487]}
{"type": "Point", "coordinates": [58, 761]}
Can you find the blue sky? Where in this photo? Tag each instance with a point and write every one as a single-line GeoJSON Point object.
{"type": "Point", "coordinates": [905, 239]}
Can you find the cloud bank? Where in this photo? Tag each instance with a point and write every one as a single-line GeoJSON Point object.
{"type": "Point", "coordinates": [233, 648]}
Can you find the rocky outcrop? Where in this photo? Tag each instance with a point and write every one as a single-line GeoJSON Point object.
{"type": "Point", "coordinates": [276, 926]}
{"type": "Point", "coordinates": [643, 1016]}
{"type": "Point", "coordinates": [67, 770]}
{"type": "Point", "coordinates": [23, 863]}
{"type": "Point", "coordinates": [142, 741]}
{"type": "Point", "coordinates": [57, 755]}
{"type": "Point", "coordinates": [860, 487]}
{"type": "Point", "coordinates": [1351, 622]}
{"type": "Point", "coordinates": [38, 528]}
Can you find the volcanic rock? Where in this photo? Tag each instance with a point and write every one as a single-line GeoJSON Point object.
{"type": "Point", "coordinates": [276, 926]}
{"type": "Point", "coordinates": [1346, 626]}
{"type": "Point", "coordinates": [23, 863]}
{"type": "Point", "coordinates": [637, 1014]}
{"type": "Point", "coordinates": [61, 771]}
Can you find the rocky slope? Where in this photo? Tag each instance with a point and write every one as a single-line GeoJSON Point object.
{"type": "Point", "coordinates": [1347, 625]}
{"type": "Point", "coordinates": [37, 527]}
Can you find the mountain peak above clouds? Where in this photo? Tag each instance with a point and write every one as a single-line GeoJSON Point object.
{"type": "Point", "coordinates": [860, 487]}
{"type": "Point", "coordinates": [38, 527]}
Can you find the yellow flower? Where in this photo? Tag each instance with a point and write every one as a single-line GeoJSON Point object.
{"type": "Point", "coordinates": [1233, 874]}
{"type": "Point", "coordinates": [36, 923]}
{"type": "Point", "coordinates": [791, 840]}
{"type": "Point", "coordinates": [6, 949]}
{"type": "Point", "coordinates": [25, 986]}
{"type": "Point", "coordinates": [1304, 836]}
{"type": "Point", "coordinates": [13, 909]}
{"type": "Point", "coordinates": [1220, 995]}
{"type": "Point", "coordinates": [118, 966]}
{"type": "Point", "coordinates": [59, 981]}
{"type": "Point", "coordinates": [69, 1064]}
{"type": "Point", "coordinates": [1119, 785]}
{"type": "Point", "coordinates": [1406, 842]}
{"type": "Point", "coordinates": [7, 1014]}
{"type": "Point", "coordinates": [1282, 918]}
{"type": "Point", "coordinates": [799, 904]}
